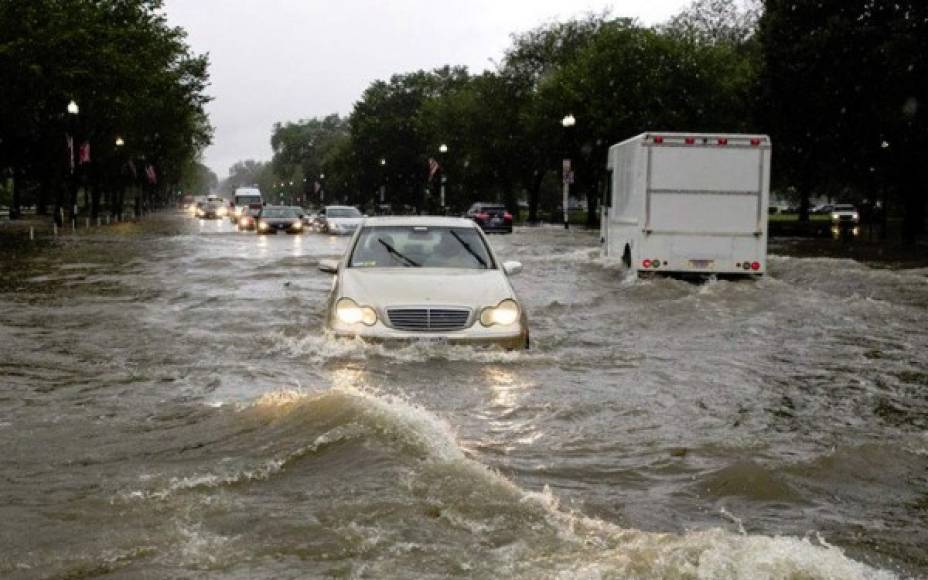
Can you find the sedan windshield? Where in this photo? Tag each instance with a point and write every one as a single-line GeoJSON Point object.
{"type": "Point", "coordinates": [420, 247]}
{"type": "Point", "coordinates": [342, 212]}
{"type": "Point", "coordinates": [279, 212]}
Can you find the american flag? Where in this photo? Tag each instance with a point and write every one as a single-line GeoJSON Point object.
{"type": "Point", "coordinates": [84, 153]}
{"type": "Point", "coordinates": [433, 168]}
{"type": "Point", "coordinates": [150, 174]}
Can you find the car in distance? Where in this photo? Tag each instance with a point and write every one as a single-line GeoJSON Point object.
{"type": "Point", "coordinates": [247, 220]}
{"type": "Point", "coordinates": [425, 279]}
{"type": "Point", "coordinates": [210, 210]}
{"type": "Point", "coordinates": [491, 217]}
{"type": "Point", "coordinates": [273, 219]}
{"type": "Point", "coordinates": [844, 214]}
{"type": "Point", "coordinates": [338, 219]}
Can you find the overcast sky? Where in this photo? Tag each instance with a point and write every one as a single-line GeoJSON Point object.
{"type": "Point", "coordinates": [285, 60]}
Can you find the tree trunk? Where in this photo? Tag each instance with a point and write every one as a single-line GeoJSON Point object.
{"type": "Point", "coordinates": [913, 219]}
{"type": "Point", "coordinates": [592, 206]}
{"type": "Point", "coordinates": [804, 204]}
{"type": "Point", "coordinates": [15, 202]}
{"type": "Point", "coordinates": [533, 194]}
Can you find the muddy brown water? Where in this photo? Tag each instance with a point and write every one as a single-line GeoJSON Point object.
{"type": "Point", "coordinates": [169, 408]}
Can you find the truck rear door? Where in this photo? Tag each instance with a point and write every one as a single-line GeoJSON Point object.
{"type": "Point", "coordinates": [705, 189]}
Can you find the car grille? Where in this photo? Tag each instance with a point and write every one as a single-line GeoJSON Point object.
{"type": "Point", "coordinates": [428, 319]}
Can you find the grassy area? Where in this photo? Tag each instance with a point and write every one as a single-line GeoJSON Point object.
{"type": "Point", "coordinates": [576, 218]}
{"type": "Point", "coordinates": [794, 217]}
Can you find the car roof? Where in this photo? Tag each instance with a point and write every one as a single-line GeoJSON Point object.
{"type": "Point", "coordinates": [420, 220]}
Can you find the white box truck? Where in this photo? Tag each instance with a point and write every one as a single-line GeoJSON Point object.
{"type": "Point", "coordinates": [688, 203]}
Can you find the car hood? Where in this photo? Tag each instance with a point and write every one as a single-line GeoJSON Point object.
{"type": "Point", "coordinates": [381, 287]}
{"type": "Point", "coordinates": [344, 221]}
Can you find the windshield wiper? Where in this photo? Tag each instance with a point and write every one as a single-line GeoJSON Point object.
{"type": "Point", "coordinates": [396, 253]}
{"type": "Point", "coordinates": [469, 249]}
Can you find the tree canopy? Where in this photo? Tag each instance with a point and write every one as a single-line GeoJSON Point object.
{"type": "Point", "coordinates": [132, 76]}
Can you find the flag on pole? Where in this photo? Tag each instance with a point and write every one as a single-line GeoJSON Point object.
{"type": "Point", "coordinates": [433, 168]}
{"type": "Point", "coordinates": [316, 187]}
{"type": "Point", "coordinates": [132, 169]}
{"type": "Point", "coordinates": [150, 174]}
{"type": "Point", "coordinates": [70, 141]}
{"type": "Point", "coordinates": [84, 153]}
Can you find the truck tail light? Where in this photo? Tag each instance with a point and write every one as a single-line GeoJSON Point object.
{"type": "Point", "coordinates": [646, 263]}
{"type": "Point", "coordinates": [658, 139]}
{"type": "Point", "coordinates": [689, 140]}
{"type": "Point", "coordinates": [755, 142]}
{"type": "Point", "coordinates": [755, 266]}
{"type": "Point", "coordinates": [507, 216]}
{"type": "Point", "coordinates": [723, 141]}
{"type": "Point", "coordinates": [483, 216]}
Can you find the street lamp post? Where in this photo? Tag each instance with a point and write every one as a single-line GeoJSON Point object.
{"type": "Point", "coordinates": [568, 122]}
{"type": "Point", "coordinates": [383, 186]}
{"type": "Point", "coordinates": [73, 111]}
{"type": "Point", "coordinates": [443, 149]}
{"type": "Point", "coordinates": [321, 188]}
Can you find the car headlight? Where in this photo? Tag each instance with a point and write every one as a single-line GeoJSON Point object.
{"type": "Point", "coordinates": [223, 211]}
{"type": "Point", "coordinates": [298, 225]}
{"type": "Point", "coordinates": [503, 314]}
{"type": "Point", "coordinates": [262, 226]}
{"type": "Point", "coordinates": [835, 216]}
{"type": "Point", "coordinates": [348, 312]}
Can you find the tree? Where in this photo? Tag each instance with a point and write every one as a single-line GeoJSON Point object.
{"type": "Point", "coordinates": [716, 22]}
{"type": "Point", "coordinates": [843, 82]}
{"type": "Point", "coordinates": [133, 77]}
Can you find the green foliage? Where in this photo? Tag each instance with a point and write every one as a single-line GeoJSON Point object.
{"type": "Point", "coordinates": [131, 74]}
{"type": "Point", "coordinates": [844, 82]}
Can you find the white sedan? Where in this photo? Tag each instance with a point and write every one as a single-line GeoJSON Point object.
{"type": "Point", "coordinates": [424, 278]}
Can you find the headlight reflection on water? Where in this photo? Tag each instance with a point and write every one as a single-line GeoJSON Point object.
{"type": "Point", "coordinates": [348, 378]}
{"type": "Point", "coordinates": [297, 246]}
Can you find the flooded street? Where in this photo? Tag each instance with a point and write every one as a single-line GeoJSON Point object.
{"type": "Point", "coordinates": [171, 409]}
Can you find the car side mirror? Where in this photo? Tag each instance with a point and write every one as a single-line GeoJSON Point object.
{"type": "Point", "coordinates": [329, 266]}
{"type": "Point", "coordinates": [512, 268]}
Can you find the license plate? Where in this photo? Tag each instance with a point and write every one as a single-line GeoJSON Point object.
{"type": "Point", "coordinates": [496, 221]}
{"type": "Point", "coordinates": [433, 340]}
{"type": "Point", "coordinates": [701, 264]}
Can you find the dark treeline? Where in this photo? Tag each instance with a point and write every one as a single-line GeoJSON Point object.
{"type": "Point", "coordinates": [101, 107]}
{"type": "Point", "coordinates": [838, 84]}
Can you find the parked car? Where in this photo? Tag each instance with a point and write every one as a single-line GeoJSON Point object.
{"type": "Point", "coordinates": [338, 219]}
{"type": "Point", "coordinates": [425, 278]}
{"type": "Point", "coordinates": [491, 217]}
{"type": "Point", "coordinates": [247, 221]}
{"type": "Point", "coordinates": [273, 219]}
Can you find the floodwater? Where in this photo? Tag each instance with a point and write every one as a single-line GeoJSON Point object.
{"type": "Point", "coordinates": [169, 408]}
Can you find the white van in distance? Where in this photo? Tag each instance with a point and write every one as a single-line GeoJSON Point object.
{"type": "Point", "coordinates": [245, 197]}
{"type": "Point", "coordinates": [688, 203]}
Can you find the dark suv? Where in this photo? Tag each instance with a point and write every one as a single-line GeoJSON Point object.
{"type": "Point", "coordinates": [491, 217]}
